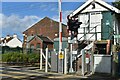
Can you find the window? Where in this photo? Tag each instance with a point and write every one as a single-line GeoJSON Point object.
{"type": "Point", "coordinates": [32, 46]}
{"type": "Point", "coordinates": [38, 45]}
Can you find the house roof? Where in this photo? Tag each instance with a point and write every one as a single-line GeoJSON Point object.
{"type": "Point", "coordinates": [100, 2]}
{"type": "Point", "coordinates": [5, 40]}
{"type": "Point", "coordinates": [45, 39]}
{"type": "Point", "coordinates": [29, 38]}
{"type": "Point", "coordinates": [41, 37]}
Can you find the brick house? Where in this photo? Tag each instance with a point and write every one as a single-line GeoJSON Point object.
{"type": "Point", "coordinates": [37, 42]}
{"type": "Point", "coordinates": [45, 27]}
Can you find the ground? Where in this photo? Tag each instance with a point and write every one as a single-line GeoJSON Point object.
{"type": "Point", "coordinates": [33, 73]}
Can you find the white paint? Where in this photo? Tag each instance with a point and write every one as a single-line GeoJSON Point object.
{"type": "Point", "coordinates": [41, 52]}
{"type": "Point", "coordinates": [89, 46]}
{"type": "Point", "coordinates": [15, 42]}
{"type": "Point", "coordinates": [102, 7]}
{"type": "Point", "coordinates": [46, 61]}
{"type": "Point", "coordinates": [102, 63]}
{"type": "Point", "coordinates": [89, 22]}
{"type": "Point", "coordinates": [97, 8]}
{"type": "Point", "coordinates": [74, 52]}
{"type": "Point", "coordinates": [65, 61]}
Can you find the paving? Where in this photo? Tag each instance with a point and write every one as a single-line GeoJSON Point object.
{"type": "Point", "coordinates": [33, 73]}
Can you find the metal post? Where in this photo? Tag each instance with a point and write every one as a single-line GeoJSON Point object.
{"type": "Point", "coordinates": [92, 62]}
{"type": "Point", "coordinates": [60, 67]}
{"type": "Point", "coordinates": [46, 61]}
{"type": "Point", "coordinates": [83, 61]}
{"type": "Point", "coordinates": [71, 68]}
{"type": "Point", "coordinates": [41, 52]}
{"type": "Point", "coordinates": [65, 62]}
{"type": "Point", "coordinates": [60, 27]}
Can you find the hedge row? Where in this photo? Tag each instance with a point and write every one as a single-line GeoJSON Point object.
{"type": "Point", "coordinates": [20, 57]}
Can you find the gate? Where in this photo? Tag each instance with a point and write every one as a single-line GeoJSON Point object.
{"type": "Point", "coordinates": [102, 63]}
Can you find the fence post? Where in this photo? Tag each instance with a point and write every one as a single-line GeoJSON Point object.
{"type": "Point", "coordinates": [83, 61]}
{"type": "Point", "coordinates": [65, 61]}
{"type": "Point", "coordinates": [41, 52]}
{"type": "Point", "coordinates": [46, 61]}
{"type": "Point", "coordinates": [71, 67]}
{"type": "Point", "coordinates": [92, 62]}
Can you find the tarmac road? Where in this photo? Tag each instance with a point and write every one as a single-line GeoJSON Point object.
{"type": "Point", "coordinates": [33, 73]}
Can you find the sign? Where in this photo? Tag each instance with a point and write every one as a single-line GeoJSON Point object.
{"type": "Point", "coordinates": [116, 36]}
{"type": "Point", "coordinates": [87, 58]}
{"type": "Point", "coordinates": [74, 52]}
{"type": "Point", "coordinates": [61, 56]}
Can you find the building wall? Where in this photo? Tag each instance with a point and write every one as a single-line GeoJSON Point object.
{"type": "Point", "coordinates": [103, 21]}
{"type": "Point", "coordinates": [91, 26]}
{"type": "Point", "coordinates": [46, 27]}
{"type": "Point", "coordinates": [36, 41]}
{"type": "Point", "coordinates": [107, 25]}
{"type": "Point", "coordinates": [15, 42]}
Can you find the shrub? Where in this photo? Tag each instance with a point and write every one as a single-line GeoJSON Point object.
{"type": "Point", "coordinates": [20, 57]}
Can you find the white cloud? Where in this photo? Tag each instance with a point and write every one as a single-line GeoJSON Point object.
{"type": "Point", "coordinates": [50, 7]}
{"type": "Point", "coordinates": [15, 23]}
{"type": "Point", "coordinates": [64, 16]}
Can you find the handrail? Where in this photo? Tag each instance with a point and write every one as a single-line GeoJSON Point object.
{"type": "Point", "coordinates": [87, 33]}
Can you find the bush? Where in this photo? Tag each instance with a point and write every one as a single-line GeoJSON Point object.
{"type": "Point", "coordinates": [33, 58]}
{"type": "Point", "coordinates": [20, 57]}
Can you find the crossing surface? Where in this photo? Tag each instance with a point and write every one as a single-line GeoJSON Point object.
{"type": "Point", "coordinates": [20, 73]}
{"type": "Point", "coordinates": [34, 73]}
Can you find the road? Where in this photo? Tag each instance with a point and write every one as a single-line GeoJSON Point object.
{"type": "Point", "coordinates": [33, 73]}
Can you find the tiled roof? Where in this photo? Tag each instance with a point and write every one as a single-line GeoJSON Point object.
{"type": "Point", "coordinates": [45, 39]}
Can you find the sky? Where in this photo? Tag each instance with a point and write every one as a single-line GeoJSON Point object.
{"type": "Point", "coordinates": [16, 17]}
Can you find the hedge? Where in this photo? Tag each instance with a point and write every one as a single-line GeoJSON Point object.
{"type": "Point", "coordinates": [20, 57]}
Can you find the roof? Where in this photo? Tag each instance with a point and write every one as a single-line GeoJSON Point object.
{"type": "Point", "coordinates": [5, 40]}
{"type": "Point", "coordinates": [45, 39]}
{"type": "Point", "coordinates": [100, 2]}
{"type": "Point", "coordinates": [49, 26]}
{"type": "Point", "coordinates": [41, 37]}
{"type": "Point", "coordinates": [29, 38]}
{"type": "Point", "coordinates": [63, 39]}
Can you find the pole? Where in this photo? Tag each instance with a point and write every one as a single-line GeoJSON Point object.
{"type": "Point", "coordinates": [83, 61]}
{"type": "Point", "coordinates": [71, 68]}
{"type": "Point", "coordinates": [60, 27]}
{"type": "Point", "coordinates": [46, 61]}
{"type": "Point", "coordinates": [41, 58]}
{"type": "Point", "coordinates": [60, 62]}
{"type": "Point", "coordinates": [65, 62]}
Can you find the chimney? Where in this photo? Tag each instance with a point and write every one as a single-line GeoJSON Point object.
{"type": "Point", "coordinates": [8, 36]}
{"type": "Point", "coordinates": [14, 36]}
{"type": "Point", "coordinates": [1, 38]}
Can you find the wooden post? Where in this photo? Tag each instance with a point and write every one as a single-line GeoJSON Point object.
{"type": "Point", "coordinates": [46, 61]}
{"type": "Point", "coordinates": [41, 52]}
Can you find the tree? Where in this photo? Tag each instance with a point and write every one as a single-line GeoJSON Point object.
{"type": "Point", "coordinates": [117, 5]}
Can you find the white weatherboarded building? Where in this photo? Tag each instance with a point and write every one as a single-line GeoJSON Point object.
{"type": "Point", "coordinates": [12, 42]}
{"type": "Point", "coordinates": [98, 20]}
{"type": "Point", "coordinates": [98, 23]}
